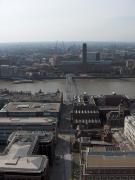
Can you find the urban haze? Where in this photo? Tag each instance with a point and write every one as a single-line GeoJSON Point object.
{"type": "Point", "coordinates": [67, 90]}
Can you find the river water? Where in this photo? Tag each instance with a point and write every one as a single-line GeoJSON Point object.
{"type": "Point", "coordinates": [91, 86]}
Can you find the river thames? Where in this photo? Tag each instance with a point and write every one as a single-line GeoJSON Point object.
{"type": "Point", "coordinates": [91, 86]}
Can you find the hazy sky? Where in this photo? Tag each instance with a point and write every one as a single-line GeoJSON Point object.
{"type": "Point", "coordinates": [67, 20]}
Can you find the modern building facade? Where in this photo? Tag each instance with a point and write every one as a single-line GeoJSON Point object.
{"type": "Point", "coordinates": [108, 165]}
{"type": "Point", "coordinates": [44, 143]}
{"type": "Point", "coordinates": [129, 128]}
{"type": "Point", "coordinates": [92, 57]}
{"type": "Point", "coordinates": [21, 161]}
{"type": "Point", "coordinates": [31, 109]}
{"type": "Point", "coordinates": [9, 125]}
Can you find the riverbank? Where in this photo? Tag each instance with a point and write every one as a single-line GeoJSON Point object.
{"type": "Point", "coordinates": [94, 86]}
{"type": "Point", "coordinates": [64, 77]}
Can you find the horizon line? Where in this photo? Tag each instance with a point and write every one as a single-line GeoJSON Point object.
{"type": "Point", "coordinates": [68, 41]}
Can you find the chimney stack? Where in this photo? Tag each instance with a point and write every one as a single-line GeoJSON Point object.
{"type": "Point", "coordinates": [84, 53]}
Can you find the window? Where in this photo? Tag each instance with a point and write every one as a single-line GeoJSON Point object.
{"type": "Point", "coordinates": [90, 178]}
{"type": "Point", "coordinates": [131, 177]}
{"type": "Point", "coordinates": [124, 178]}
{"type": "Point", "coordinates": [98, 178]}
{"type": "Point", "coordinates": [118, 178]}
{"type": "Point", "coordinates": [104, 178]}
{"type": "Point", "coordinates": [111, 178]}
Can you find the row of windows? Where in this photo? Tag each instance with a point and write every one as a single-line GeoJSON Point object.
{"type": "Point", "coordinates": [111, 171]}
{"type": "Point", "coordinates": [111, 178]}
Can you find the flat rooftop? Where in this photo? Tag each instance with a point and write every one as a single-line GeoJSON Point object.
{"type": "Point", "coordinates": [18, 156]}
{"type": "Point", "coordinates": [31, 107]}
{"type": "Point", "coordinates": [87, 140]}
{"type": "Point", "coordinates": [28, 120]}
{"type": "Point", "coordinates": [95, 161]}
{"type": "Point", "coordinates": [42, 135]}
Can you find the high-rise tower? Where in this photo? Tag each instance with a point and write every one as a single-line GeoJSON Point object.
{"type": "Point", "coordinates": [84, 53]}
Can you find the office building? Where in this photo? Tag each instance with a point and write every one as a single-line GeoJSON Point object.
{"type": "Point", "coordinates": [31, 109]}
{"type": "Point", "coordinates": [93, 57]}
{"type": "Point", "coordinates": [7, 71]}
{"type": "Point", "coordinates": [21, 160]}
{"type": "Point", "coordinates": [12, 124]}
{"type": "Point", "coordinates": [106, 164]}
{"type": "Point", "coordinates": [44, 143]}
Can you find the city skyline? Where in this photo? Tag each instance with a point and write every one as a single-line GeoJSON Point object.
{"type": "Point", "coordinates": [76, 20]}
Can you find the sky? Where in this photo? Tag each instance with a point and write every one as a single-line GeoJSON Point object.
{"type": "Point", "coordinates": [67, 20]}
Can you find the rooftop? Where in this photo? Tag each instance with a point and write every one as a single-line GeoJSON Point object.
{"type": "Point", "coordinates": [110, 161]}
{"type": "Point", "coordinates": [103, 149]}
{"type": "Point", "coordinates": [31, 135]}
{"type": "Point", "coordinates": [18, 154]}
{"type": "Point", "coordinates": [31, 107]}
{"type": "Point", "coordinates": [28, 120]}
{"type": "Point", "coordinates": [87, 140]}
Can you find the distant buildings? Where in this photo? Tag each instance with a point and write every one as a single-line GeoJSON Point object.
{"type": "Point", "coordinates": [89, 57]}
{"type": "Point", "coordinates": [67, 60]}
{"type": "Point", "coordinates": [84, 53]}
{"type": "Point", "coordinates": [7, 71]}
{"type": "Point", "coordinates": [92, 57]}
{"type": "Point", "coordinates": [130, 64]}
{"type": "Point", "coordinates": [106, 55]}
